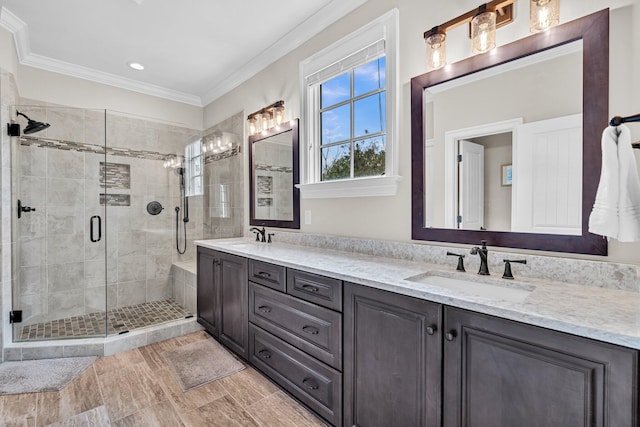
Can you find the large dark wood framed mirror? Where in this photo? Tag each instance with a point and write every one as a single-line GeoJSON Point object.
{"type": "Point", "coordinates": [274, 173]}
{"type": "Point", "coordinates": [516, 198]}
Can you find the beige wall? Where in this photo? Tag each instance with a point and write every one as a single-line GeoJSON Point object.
{"type": "Point", "coordinates": [8, 58]}
{"type": "Point", "coordinates": [389, 218]}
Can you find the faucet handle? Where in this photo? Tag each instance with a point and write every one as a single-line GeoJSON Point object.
{"type": "Point", "coordinates": [257, 233]}
{"type": "Point", "coordinates": [484, 244]}
{"type": "Point", "coordinates": [507, 267]}
{"type": "Point", "coordinates": [460, 266]}
{"type": "Point", "coordinates": [269, 237]}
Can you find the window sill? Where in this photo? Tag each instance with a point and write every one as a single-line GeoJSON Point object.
{"type": "Point", "coordinates": [358, 187]}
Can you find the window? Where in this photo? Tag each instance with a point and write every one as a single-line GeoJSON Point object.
{"type": "Point", "coordinates": [194, 170]}
{"type": "Point", "coordinates": [349, 118]}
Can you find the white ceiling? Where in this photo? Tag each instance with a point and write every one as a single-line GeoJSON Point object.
{"type": "Point", "coordinates": [194, 50]}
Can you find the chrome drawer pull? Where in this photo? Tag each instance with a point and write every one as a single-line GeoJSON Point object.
{"type": "Point", "coordinates": [265, 309]}
{"type": "Point", "coordinates": [264, 274]}
{"type": "Point", "coordinates": [310, 288]}
{"type": "Point", "coordinates": [310, 384]}
{"type": "Point", "coordinates": [265, 354]}
{"type": "Point", "coordinates": [310, 330]}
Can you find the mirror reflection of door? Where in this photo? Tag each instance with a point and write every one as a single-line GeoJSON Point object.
{"type": "Point", "coordinates": [471, 185]}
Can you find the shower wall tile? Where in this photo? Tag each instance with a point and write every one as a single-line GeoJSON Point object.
{"type": "Point", "coordinates": [32, 280]}
{"type": "Point", "coordinates": [130, 293]}
{"type": "Point", "coordinates": [65, 304]}
{"type": "Point", "coordinates": [97, 299]}
{"type": "Point", "coordinates": [64, 220]}
{"type": "Point", "coordinates": [97, 273]}
{"type": "Point", "coordinates": [34, 307]}
{"type": "Point", "coordinates": [132, 244]}
{"type": "Point", "coordinates": [67, 124]}
{"type": "Point", "coordinates": [65, 248]}
{"type": "Point", "coordinates": [33, 161]}
{"type": "Point", "coordinates": [159, 289]}
{"type": "Point", "coordinates": [65, 164]}
{"type": "Point", "coordinates": [63, 277]}
{"type": "Point", "coordinates": [94, 127]}
{"type": "Point", "coordinates": [158, 266]}
{"type": "Point", "coordinates": [131, 269]}
{"type": "Point", "coordinates": [65, 192]}
{"type": "Point", "coordinates": [32, 251]}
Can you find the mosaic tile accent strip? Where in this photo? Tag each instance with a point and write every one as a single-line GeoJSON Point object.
{"type": "Point", "coordinates": [115, 199]}
{"type": "Point", "coordinates": [119, 320]}
{"type": "Point", "coordinates": [272, 168]}
{"type": "Point", "coordinates": [91, 148]}
{"type": "Point", "coordinates": [115, 175]}
{"type": "Point", "coordinates": [211, 157]}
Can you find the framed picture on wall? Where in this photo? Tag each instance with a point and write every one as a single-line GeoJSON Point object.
{"type": "Point", "coordinates": [507, 177]}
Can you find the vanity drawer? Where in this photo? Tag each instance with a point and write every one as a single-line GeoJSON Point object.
{"type": "Point", "coordinates": [270, 275]}
{"type": "Point", "coordinates": [315, 330]}
{"type": "Point", "coordinates": [315, 384]}
{"type": "Point", "coordinates": [321, 290]}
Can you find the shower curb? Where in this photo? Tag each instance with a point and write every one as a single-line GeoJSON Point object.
{"type": "Point", "coordinates": [53, 349]}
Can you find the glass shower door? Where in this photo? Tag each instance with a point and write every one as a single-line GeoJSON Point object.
{"type": "Point", "coordinates": [59, 225]}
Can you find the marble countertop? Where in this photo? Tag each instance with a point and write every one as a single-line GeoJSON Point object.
{"type": "Point", "coordinates": [607, 315]}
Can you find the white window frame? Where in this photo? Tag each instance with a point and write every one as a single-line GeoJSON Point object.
{"type": "Point", "coordinates": [384, 28]}
{"type": "Point", "coordinates": [192, 154]}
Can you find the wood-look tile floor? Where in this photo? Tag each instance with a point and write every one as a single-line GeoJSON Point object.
{"type": "Point", "coordinates": [137, 388]}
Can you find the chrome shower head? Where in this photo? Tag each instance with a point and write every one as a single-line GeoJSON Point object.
{"type": "Point", "coordinates": [32, 126]}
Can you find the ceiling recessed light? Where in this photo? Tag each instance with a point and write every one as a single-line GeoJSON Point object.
{"type": "Point", "coordinates": [136, 66]}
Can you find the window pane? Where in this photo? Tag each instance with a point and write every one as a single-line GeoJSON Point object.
{"type": "Point", "coordinates": [369, 77]}
{"type": "Point", "coordinates": [335, 90]}
{"type": "Point", "coordinates": [369, 157]}
{"type": "Point", "coordinates": [336, 162]}
{"type": "Point", "coordinates": [336, 124]}
{"type": "Point", "coordinates": [370, 115]}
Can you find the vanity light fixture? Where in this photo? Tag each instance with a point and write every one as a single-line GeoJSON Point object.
{"type": "Point", "coordinates": [483, 30]}
{"type": "Point", "coordinates": [482, 21]}
{"type": "Point", "coordinates": [173, 162]}
{"type": "Point", "coordinates": [543, 14]}
{"type": "Point", "coordinates": [266, 118]}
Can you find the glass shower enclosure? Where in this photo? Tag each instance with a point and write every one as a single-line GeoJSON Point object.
{"type": "Point", "coordinates": [90, 259]}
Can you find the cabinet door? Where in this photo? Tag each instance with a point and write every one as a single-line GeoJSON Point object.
{"type": "Point", "coordinates": [233, 322]}
{"type": "Point", "coordinates": [501, 373]}
{"type": "Point", "coordinates": [392, 365]}
{"type": "Point", "coordinates": [207, 294]}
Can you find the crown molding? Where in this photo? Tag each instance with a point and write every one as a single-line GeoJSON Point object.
{"type": "Point", "coordinates": [304, 31]}
{"type": "Point", "coordinates": [20, 32]}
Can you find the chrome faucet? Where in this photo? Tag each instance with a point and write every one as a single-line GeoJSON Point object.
{"type": "Point", "coordinates": [260, 234]}
{"type": "Point", "coordinates": [483, 253]}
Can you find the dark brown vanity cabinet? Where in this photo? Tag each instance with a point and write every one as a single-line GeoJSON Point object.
{"type": "Point", "coordinates": [223, 298]}
{"type": "Point", "coordinates": [502, 373]}
{"type": "Point", "coordinates": [294, 338]}
{"type": "Point", "coordinates": [392, 365]}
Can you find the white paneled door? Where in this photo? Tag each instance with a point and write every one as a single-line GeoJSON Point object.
{"type": "Point", "coordinates": [547, 177]}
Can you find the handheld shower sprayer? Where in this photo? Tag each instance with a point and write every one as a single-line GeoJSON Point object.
{"type": "Point", "coordinates": [185, 217]}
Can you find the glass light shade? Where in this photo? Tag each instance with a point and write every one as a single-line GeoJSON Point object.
{"type": "Point", "coordinates": [436, 50]}
{"type": "Point", "coordinates": [266, 121]}
{"type": "Point", "coordinates": [483, 32]}
{"type": "Point", "coordinates": [253, 125]}
{"type": "Point", "coordinates": [543, 14]}
{"type": "Point", "coordinates": [278, 114]}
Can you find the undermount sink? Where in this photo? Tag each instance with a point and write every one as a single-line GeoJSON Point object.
{"type": "Point", "coordinates": [509, 291]}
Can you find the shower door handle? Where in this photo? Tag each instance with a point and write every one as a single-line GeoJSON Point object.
{"type": "Point", "coordinates": [91, 222]}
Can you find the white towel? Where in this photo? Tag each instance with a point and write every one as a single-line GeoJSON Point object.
{"type": "Point", "coordinates": [616, 211]}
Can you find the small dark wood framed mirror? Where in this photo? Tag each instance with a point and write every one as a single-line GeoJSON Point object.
{"type": "Point", "coordinates": [274, 173]}
{"type": "Point", "coordinates": [592, 32]}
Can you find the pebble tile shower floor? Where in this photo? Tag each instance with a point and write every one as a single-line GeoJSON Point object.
{"type": "Point", "coordinates": [119, 320]}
